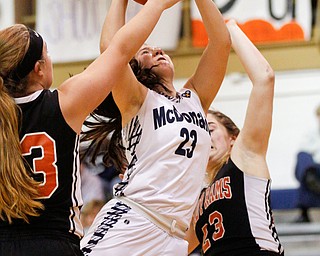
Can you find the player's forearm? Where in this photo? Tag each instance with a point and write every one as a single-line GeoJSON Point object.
{"type": "Point", "coordinates": [251, 58]}
{"type": "Point", "coordinates": [130, 37]}
{"type": "Point", "coordinates": [114, 20]}
{"type": "Point", "coordinates": [213, 22]}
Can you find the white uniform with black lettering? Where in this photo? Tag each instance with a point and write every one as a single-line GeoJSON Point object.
{"type": "Point", "coordinates": [167, 146]}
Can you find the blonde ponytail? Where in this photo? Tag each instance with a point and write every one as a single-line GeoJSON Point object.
{"type": "Point", "coordinates": [18, 191]}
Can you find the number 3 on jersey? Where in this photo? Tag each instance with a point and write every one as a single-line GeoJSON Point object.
{"type": "Point", "coordinates": [43, 164]}
{"type": "Point", "coordinates": [215, 219]}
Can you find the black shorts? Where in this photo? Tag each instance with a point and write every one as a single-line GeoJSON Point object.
{"type": "Point", "coordinates": [28, 243]}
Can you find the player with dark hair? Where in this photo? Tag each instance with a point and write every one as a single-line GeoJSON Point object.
{"type": "Point", "coordinates": [165, 136]}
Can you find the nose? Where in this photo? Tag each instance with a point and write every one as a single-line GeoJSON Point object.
{"type": "Point", "coordinates": [157, 51]}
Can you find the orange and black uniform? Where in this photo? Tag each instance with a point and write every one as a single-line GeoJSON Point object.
{"type": "Point", "coordinates": [233, 216]}
{"type": "Point", "coordinates": [51, 148]}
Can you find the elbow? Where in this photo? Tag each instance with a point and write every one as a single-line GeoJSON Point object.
{"type": "Point", "coordinates": [264, 76]}
{"type": "Point", "coordinates": [269, 75]}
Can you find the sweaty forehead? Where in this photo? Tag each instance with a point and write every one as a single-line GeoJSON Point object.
{"type": "Point", "coordinates": [144, 47]}
{"type": "Point", "coordinates": [148, 48]}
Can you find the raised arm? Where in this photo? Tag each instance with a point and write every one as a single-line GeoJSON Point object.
{"type": "Point", "coordinates": [252, 143]}
{"type": "Point", "coordinates": [211, 69]}
{"type": "Point", "coordinates": [128, 93]}
{"type": "Point", "coordinates": [114, 20]}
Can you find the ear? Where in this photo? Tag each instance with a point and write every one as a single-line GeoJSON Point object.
{"type": "Point", "coordinates": [38, 69]}
{"type": "Point", "coordinates": [232, 140]}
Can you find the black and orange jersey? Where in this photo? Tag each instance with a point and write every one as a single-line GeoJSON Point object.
{"type": "Point", "coordinates": [51, 148]}
{"type": "Point", "coordinates": [233, 216]}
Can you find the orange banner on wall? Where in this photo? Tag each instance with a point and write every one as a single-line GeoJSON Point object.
{"type": "Point", "coordinates": [261, 20]}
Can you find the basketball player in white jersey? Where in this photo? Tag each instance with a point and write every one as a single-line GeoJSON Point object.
{"type": "Point", "coordinates": [165, 137]}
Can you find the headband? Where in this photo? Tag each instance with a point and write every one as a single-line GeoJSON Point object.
{"type": "Point", "coordinates": [33, 54]}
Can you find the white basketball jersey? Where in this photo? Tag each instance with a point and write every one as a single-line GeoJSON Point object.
{"type": "Point", "coordinates": [167, 145]}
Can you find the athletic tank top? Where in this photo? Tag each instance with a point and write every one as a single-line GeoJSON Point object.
{"type": "Point", "coordinates": [233, 216]}
{"type": "Point", "coordinates": [167, 145]}
{"type": "Point", "coordinates": [51, 148]}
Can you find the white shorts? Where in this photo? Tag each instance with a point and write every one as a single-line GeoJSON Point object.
{"type": "Point", "coordinates": [118, 230]}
